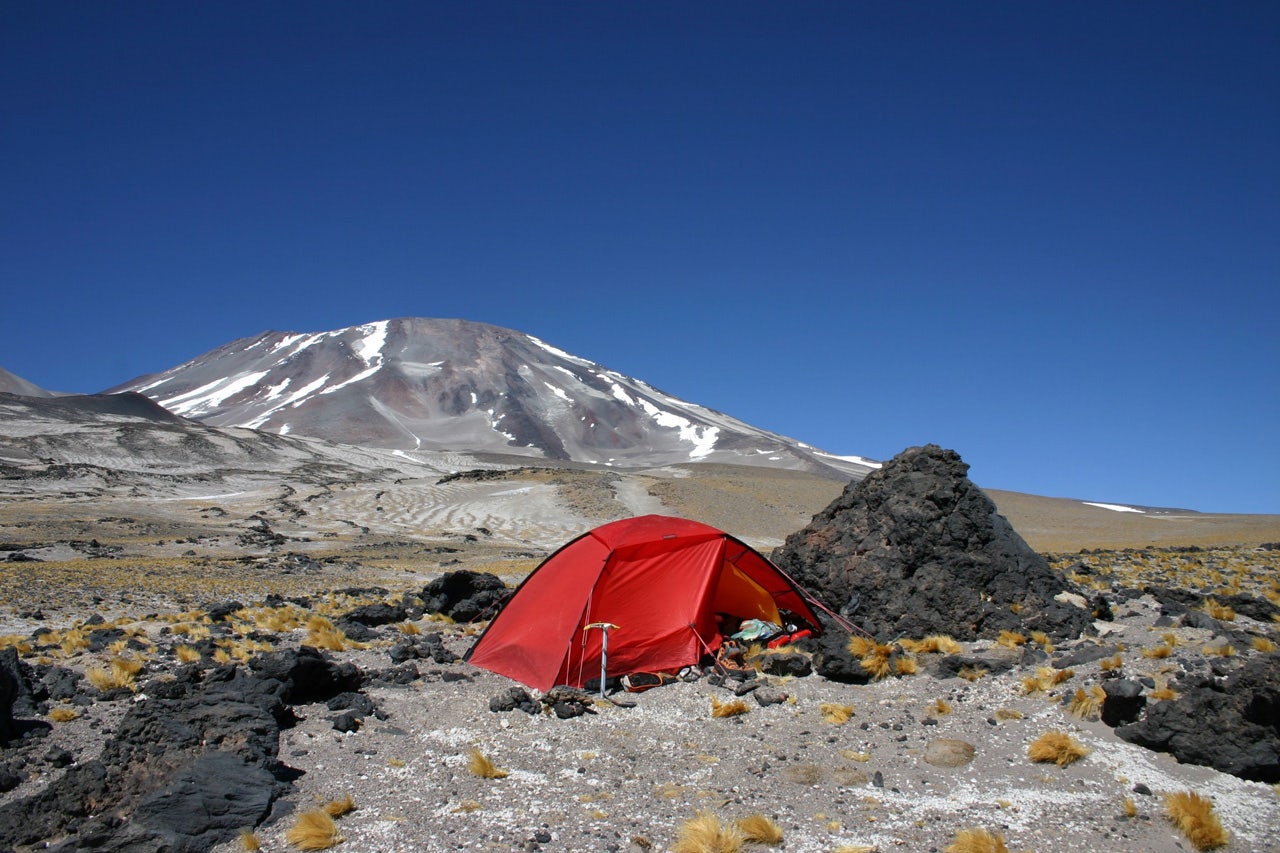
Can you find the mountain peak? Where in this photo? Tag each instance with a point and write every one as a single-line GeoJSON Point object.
{"type": "Point", "coordinates": [448, 384]}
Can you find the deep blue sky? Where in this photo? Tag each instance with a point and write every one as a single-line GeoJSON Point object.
{"type": "Point", "coordinates": [1046, 235]}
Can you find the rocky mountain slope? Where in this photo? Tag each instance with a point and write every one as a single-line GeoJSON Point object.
{"type": "Point", "coordinates": [452, 385]}
{"type": "Point", "coordinates": [11, 384]}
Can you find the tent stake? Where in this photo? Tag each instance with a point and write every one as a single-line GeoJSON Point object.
{"type": "Point", "coordinates": [604, 648]}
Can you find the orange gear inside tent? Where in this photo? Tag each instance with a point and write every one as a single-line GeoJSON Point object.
{"type": "Point", "coordinates": [666, 583]}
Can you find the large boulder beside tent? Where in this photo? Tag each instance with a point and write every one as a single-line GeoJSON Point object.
{"type": "Point", "coordinates": [916, 548]}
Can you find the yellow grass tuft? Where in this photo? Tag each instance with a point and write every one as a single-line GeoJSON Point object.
{"type": "Point", "coordinates": [186, 654]}
{"type": "Point", "coordinates": [1218, 610]}
{"type": "Point", "coordinates": [977, 840]}
{"type": "Point", "coordinates": [1130, 807]}
{"type": "Point", "coordinates": [857, 848]}
{"type": "Point", "coordinates": [732, 708]}
{"type": "Point", "coordinates": [1008, 714]}
{"type": "Point", "coordinates": [1087, 704]}
{"type": "Point", "coordinates": [972, 673]}
{"type": "Point", "coordinates": [337, 808]}
{"type": "Point", "coordinates": [1169, 638]}
{"type": "Point", "coordinates": [932, 644]}
{"type": "Point", "coordinates": [1011, 639]}
{"type": "Point", "coordinates": [854, 755]}
{"type": "Point", "coordinates": [313, 830]}
{"type": "Point", "coordinates": [108, 679]}
{"type": "Point", "coordinates": [1193, 815]}
{"type": "Point", "coordinates": [1057, 747]}
{"type": "Point", "coordinates": [941, 707]}
{"type": "Point", "coordinates": [323, 634]}
{"type": "Point", "coordinates": [704, 833]}
{"type": "Point", "coordinates": [249, 842]}
{"type": "Point", "coordinates": [1045, 679]}
{"type": "Point", "coordinates": [904, 665]}
{"type": "Point", "coordinates": [1262, 644]}
{"type": "Point", "coordinates": [480, 765]}
{"type": "Point", "coordinates": [1040, 638]}
{"type": "Point", "coordinates": [408, 628]}
{"type": "Point", "coordinates": [1111, 664]}
{"type": "Point", "coordinates": [63, 715]}
{"type": "Point", "coordinates": [835, 713]}
{"type": "Point", "coordinates": [1225, 650]}
{"type": "Point", "coordinates": [760, 829]}
{"type": "Point", "coordinates": [1161, 651]}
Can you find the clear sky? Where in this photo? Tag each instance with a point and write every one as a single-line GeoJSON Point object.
{"type": "Point", "coordinates": [1046, 235]}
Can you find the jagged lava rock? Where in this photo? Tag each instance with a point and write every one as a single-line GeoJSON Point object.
{"type": "Point", "coordinates": [916, 548]}
{"type": "Point", "coordinates": [1231, 725]}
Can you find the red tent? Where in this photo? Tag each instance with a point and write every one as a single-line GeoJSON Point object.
{"type": "Point", "coordinates": [661, 580]}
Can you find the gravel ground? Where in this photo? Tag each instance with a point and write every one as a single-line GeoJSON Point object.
{"type": "Point", "coordinates": [621, 778]}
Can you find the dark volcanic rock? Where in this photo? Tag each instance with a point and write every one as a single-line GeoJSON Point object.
{"type": "Point", "coordinates": [1232, 726]}
{"type": "Point", "coordinates": [16, 698]}
{"type": "Point", "coordinates": [916, 548]}
{"type": "Point", "coordinates": [307, 675]}
{"type": "Point", "coordinates": [465, 595]}
{"type": "Point", "coordinates": [185, 769]}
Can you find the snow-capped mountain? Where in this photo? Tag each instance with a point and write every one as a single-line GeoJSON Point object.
{"type": "Point", "coordinates": [429, 384]}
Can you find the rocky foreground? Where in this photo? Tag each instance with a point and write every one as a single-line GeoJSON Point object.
{"type": "Point", "coordinates": [1063, 704]}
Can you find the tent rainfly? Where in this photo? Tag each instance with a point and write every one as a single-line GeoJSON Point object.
{"type": "Point", "coordinates": [661, 581]}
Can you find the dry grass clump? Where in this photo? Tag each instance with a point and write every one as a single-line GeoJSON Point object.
{"type": "Point", "coordinates": [1225, 650]}
{"type": "Point", "coordinates": [323, 634]}
{"type": "Point", "coordinates": [1219, 610]}
{"type": "Point", "coordinates": [972, 673]}
{"type": "Point", "coordinates": [977, 840]}
{"type": "Point", "coordinates": [835, 713]}
{"type": "Point", "coordinates": [1130, 807]}
{"type": "Point", "coordinates": [941, 707]}
{"type": "Point", "coordinates": [932, 644]}
{"type": "Point", "coordinates": [1087, 703]}
{"type": "Point", "coordinates": [1057, 747]}
{"type": "Point", "coordinates": [121, 672]}
{"type": "Point", "coordinates": [873, 657]}
{"type": "Point", "coordinates": [1193, 815]}
{"type": "Point", "coordinates": [16, 641]}
{"type": "Point", "coordinates": [186, 654]}
{"type": "Point", "coordinates": [1161, 651]}
{"type": "Point", "coordinates": [804, 774]}
{"type": "Point", "coordinates": [905, 665]}
{"type": "Point", "coordinates": [1008, 714]}
{"type": "Point", "coordinates": [1111, 664]}
{"type": "Point", "coordinates": [481, 765]}
{"type": "Point", "coordinates": [760, 829]}
{"type": "Point", "coordinates": [337, 808]}
{"type": "Point", "coordinates": [249, 842]}
{"type": "Point", "coordinates": [1042, 639]}
{"type": "Point", "coordinates": [313, 830]}
{"type": "Point", "coordinates": [63, 715]}
{"type": "Point", "coordinates": [1262, 644]}
{"type": "Point", "coordinates": [1045, 679]}
{"type": "Point", "coordinates": [856, 848]}
{"type": "Point", "coordinates": [732, 708]}
{"type": "Point", "coordinates": [1011, 639]}
{"type": "Point", "coordinates": [705, 833]}
{"type": "Point", "coordinates": [191, 630]}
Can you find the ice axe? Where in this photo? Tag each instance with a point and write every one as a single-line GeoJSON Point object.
{"type": "Point", "coordinates": [604, 648]}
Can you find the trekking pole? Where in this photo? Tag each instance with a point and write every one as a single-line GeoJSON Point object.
{"type": "Point", "coordinates": [604, 648]}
